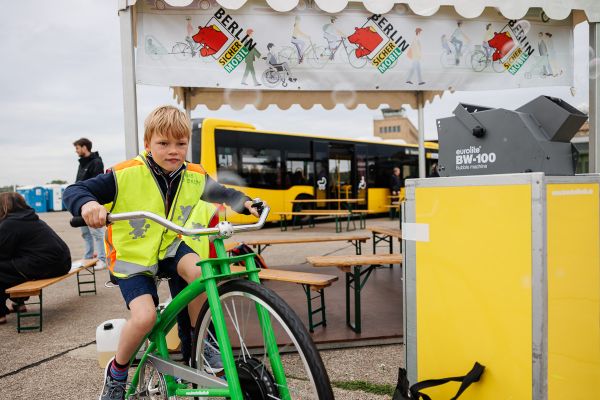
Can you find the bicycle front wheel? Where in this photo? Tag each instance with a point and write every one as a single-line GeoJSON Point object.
{"type": "Point", "coordinates": [478, 61]}
{"type": "Point", "coordinates": [306, 377]}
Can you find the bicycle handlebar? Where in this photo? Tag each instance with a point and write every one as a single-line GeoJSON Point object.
{"type": "Point", "coordinates": [223, 229]}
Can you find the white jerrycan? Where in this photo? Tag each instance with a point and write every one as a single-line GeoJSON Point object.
{"type": "Point", "coordinates": [107, 339]}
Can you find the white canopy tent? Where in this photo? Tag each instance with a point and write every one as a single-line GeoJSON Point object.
{"type": "Point", "coordinates": [213, 98]}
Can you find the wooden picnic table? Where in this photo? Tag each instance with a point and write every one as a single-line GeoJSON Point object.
{"type": "Point", "coordinates": [357, 270]}
{"type": "Point", "coordinates": [348, 202]}
{"type": "Point", "coordinates": [336, 214]}
{"type": "Point", "coordinates": [384, 234]}
{"type": "Point", "coordinates": [262, 244]}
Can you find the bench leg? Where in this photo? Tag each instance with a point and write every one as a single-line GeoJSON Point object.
{"type": "Point", "coordinates": [382, 238]}
{"type": "Point", "coordinates": [321, 294]}
{"type": "Point", "coordinates": [357, 247]}
{"type": "Point", "coordinates": [348, 220]}
{"type": "Point", "coordinates": [90, 273]}
{"type": "Point", "coordinates": [29, 314]}
{"type": "Point", "coordinates": [338, 225]}
{"type": "Point", "coordinates": [283, 223]}
{"type": "Point", "coordinates": [356, 280]}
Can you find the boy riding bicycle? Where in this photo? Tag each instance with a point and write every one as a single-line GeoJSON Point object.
{"type": "Point", "coordinates": [160, 181]}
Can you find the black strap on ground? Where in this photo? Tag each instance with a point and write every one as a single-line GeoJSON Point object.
{"type": "Point", "coordinates": [403, 390]}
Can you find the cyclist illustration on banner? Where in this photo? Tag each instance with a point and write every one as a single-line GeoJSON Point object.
{"type": "Point", "coordinates": [188, 48]}
{"type": "Point", "coordinates": [456, 47]}
{"type": "Point", "coordinates": [511, 47]}
{"type": "Point", "coordinates": [221, 39]}
{"type": "Point", "coordinates": [379, 41]}
{"type": "Point", "coordinates": [336, 39]}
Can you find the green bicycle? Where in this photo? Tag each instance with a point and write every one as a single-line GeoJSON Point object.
{"type": "Point", "coordinates": [265, 350]}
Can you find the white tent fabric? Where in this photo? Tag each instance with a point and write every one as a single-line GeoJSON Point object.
{"type": "Point", "coordinates": [213, 99]}
{"type": "Point", "coordinates": [511, 9]}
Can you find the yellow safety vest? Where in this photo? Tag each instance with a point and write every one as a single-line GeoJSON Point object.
{"type": "Point", "coordinates": [135, 246]}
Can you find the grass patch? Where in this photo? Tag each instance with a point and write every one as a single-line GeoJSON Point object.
{"type": "Point", "coordinates": [368, 387]}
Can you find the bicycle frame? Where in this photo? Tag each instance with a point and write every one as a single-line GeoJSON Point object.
{"type": "Point", "coordinates": [213, 271]}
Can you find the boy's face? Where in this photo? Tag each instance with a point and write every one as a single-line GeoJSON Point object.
{"type": "Point", "coordinates": [169, 153]}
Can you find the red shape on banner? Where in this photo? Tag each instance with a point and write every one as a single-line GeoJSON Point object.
{"type": "Point", "coordinates": [211, 38]}
{"type": "Point", "coordinates": [367, 40]}
{"type": "Point", "coordinates": [503, 44]}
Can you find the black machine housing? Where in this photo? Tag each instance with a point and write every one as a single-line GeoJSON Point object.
{"type": "Point", "coordinates": [533, 138]}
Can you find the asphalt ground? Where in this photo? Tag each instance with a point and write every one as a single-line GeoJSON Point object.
{"type": "Point", "coordinates": [61, 363]}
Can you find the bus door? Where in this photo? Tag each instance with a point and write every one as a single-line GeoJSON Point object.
{"type": "Point", "coordinates": [360, 178]}
{"type": "Point", "coordinates": [341, 177]}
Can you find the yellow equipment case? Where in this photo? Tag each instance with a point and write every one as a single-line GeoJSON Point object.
{"type": "Point", "coordinates": [504, 270]}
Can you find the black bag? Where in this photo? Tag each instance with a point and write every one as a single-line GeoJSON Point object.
{"type": "Point", "coordinates": [404, 392]}
{"type": "Point", "coordinates": [243, 248]}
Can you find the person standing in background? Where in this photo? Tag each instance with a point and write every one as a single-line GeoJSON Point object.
{"type": "Point", "coordinates": [395, 182]}
{"type": "Point", "coordinates": [90, 166]}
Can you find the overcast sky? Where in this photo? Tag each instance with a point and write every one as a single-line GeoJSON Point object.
{"type": "Point", "coordinates": [60, 79]}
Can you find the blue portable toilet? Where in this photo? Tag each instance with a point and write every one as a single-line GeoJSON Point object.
{"type": "Point", "coordinates": [54, 197]}
{"type": "Point", "coordinates": [35, 196]}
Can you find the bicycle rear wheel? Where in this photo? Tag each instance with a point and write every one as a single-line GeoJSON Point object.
{"type": "Point", "coordinates": [304, 370]}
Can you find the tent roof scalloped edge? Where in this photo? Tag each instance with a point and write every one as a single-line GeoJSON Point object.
{"type": "Point", "coordinates": [512, 9]}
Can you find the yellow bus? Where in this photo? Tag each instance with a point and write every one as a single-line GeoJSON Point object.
{"type": "Point", "coordinates": [280, 167]}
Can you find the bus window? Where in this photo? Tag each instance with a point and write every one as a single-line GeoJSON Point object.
{"type": "Point", "coordinates": [299, 169]}
{"type": "Point", "coordinates": [261, 167]}
{"type": "Point", "coordinates": [227, 166]}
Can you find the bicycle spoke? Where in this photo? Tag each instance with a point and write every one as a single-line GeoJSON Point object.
{"type": "Point", "coordinates": [235, 323]}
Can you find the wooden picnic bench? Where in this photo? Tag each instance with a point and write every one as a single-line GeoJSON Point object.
{"type": "Point", "coordinates": [357, 269]}
{"type": "Point", "coordinates": [385, 234]}
{"type": "Point", "coordinates": [84, 270]}
{"type": "Point", "coordinates": [338, 215]}
{"type": "Point", "coordinates": [262, 244]}
{"type": "Point", "coordinates": [309, 281]}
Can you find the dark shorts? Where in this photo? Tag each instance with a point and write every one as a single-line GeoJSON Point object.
{"type": "Point", "coordinates": [138, 285]}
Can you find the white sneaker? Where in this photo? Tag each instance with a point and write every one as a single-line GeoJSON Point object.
{"type": "Point", "coordinates": [100, 265]}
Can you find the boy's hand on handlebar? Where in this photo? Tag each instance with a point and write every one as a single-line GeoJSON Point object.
{"type": "Point", "coordinates": [253, 210]}
{"type": "Point", "coordinates": [94, 214]}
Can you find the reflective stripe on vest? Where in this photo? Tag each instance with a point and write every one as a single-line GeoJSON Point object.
{"type": "Point", "coordinates": [136, 246]}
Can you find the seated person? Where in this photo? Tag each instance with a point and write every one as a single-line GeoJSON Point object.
{"type": "Point", "coordinates": [272, 60]}
{"type": "Point", "coordinates": [29, 249]}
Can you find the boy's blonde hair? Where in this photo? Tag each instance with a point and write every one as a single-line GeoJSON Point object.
{"type": "Point", "coordinates": [168, 121]}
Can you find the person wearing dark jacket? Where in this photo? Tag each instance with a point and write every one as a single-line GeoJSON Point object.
{"type": "Point", "coordinates": [29, 248]}
{"type": "Point", "coordinates": [395, 182]}
{"type": "Point", "coordinates": [90, 166]}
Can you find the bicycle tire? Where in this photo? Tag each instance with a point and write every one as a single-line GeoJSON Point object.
{"type": "Point", "coordinates": [354, 61]}
{"type": "Point", "coordinates": [289, 55]}
{"type": "Point", "coordinates": [447, 60]}
{"type": "Point", "coordinates": [498, 66]}
{"type": "Point", "coordinates": [317, 57]}
{"type": "Point", "coordinates": [244, 296]}
{"type": "Point", "coordinates": [478, 61]}
{"type": "Point", "coordinates": [181, 51]}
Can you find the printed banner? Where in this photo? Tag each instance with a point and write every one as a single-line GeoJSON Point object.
{"type": "Point", "coordinates": [204, 45]}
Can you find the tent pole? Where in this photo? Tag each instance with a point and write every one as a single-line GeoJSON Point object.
{"type": "Point", "coordinates": [421, 135]}
{"type": "Point", "coordinates": [187, 104]}
{"type": "Point", "coordinates": [594, 103]}
{"type": "Point", "coordinates": [129, 89]}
